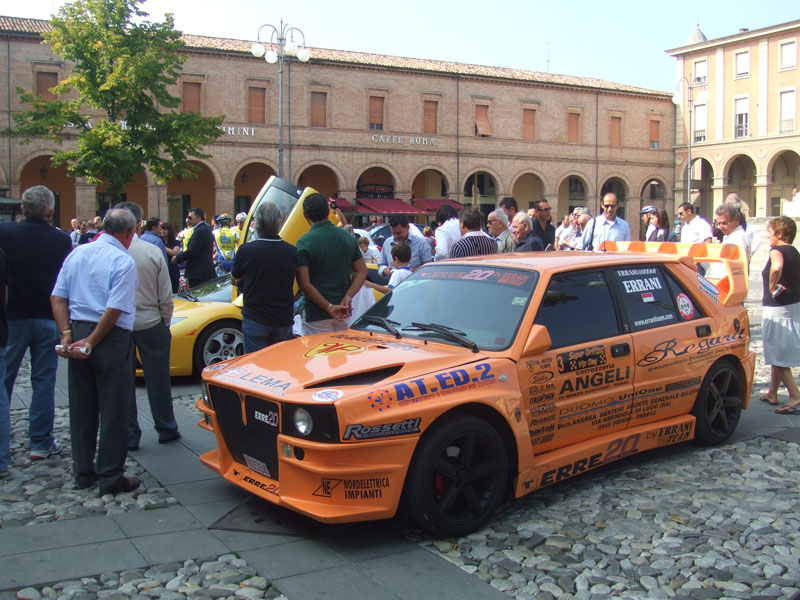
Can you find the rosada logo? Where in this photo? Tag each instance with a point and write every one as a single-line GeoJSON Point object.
{"type": "Point", "coordinates": [380, 400]}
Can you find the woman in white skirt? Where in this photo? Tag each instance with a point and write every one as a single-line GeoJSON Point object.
{"type": "Point", "coordinates": [780, 324]}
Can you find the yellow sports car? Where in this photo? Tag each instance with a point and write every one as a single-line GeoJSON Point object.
{"type": "Point", "coordinates": [207, 323]}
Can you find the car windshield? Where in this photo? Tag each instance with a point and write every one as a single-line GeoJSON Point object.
{"type": "Point", "coordinates": [474, 306]}
{"type": "Point", "coordinates": [216, 290]}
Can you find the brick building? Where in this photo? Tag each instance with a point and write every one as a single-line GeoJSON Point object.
{"type": "Point", "coordinates": [742, 102]}
{"type": "Point", "coordinates": [371, 129]}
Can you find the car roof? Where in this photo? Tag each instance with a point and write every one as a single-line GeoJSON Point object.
{"type": "Point", "coordinates": [559, 261]}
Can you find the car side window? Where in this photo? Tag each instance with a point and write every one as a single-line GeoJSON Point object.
{"type": "Point", "coordinates": [577, 307]}
{"type": "Point", "coordinates": [648, 298]}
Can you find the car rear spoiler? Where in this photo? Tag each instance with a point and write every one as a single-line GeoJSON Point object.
{"type": "Point", "coordinates": [729, 264]}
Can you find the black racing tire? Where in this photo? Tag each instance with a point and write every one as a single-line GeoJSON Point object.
{"type": "Point", "coordinates": [719, 404]}
{"type": "Point", "coordinates": [457, 478]}
{"type": "Point", "coordinates": [222, 340]}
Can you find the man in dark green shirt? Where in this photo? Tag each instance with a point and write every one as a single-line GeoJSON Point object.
{"type": "Point", "coordinates": [326, 256]}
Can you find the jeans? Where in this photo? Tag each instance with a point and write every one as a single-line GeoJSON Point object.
{"type": "Point", "coordinates": [5, 416]}
{"type": "Point", "coordinates": [257, 336]}
{"type": "Point", "coordinates": [41, 336]}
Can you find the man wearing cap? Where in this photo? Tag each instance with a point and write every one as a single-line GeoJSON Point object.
{"type": "Point", "coordinates": [225, 241]}
{"type": "Point", "coordinates": [647, 226]}
{"type": "Point", "coordinates": [238, 231]}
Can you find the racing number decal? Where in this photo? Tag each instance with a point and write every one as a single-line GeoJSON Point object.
{"type": "Point", "coordinates": [484, 368]}
{"type": "Point", "coordinates": [478, 275]}
{"type": "Point", "coordinates": [622, 447]}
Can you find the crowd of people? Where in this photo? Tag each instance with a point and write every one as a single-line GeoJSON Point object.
{"type": "Point", "coordinates": [103, 292]}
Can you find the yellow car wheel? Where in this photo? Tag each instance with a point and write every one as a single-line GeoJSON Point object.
{"type": "Point", "coordinates": [222, 340]}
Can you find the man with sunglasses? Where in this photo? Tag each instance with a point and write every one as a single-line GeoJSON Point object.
{"type": "Point", "coordinates": [543, 226]}
{"type": "Point", "coordinates": [607, 226]}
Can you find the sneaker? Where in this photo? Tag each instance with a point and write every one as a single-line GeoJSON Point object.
{"type": "Point", "coordinates": [55, 448]}
{"type": "Point", "coordinates": [3, 473]}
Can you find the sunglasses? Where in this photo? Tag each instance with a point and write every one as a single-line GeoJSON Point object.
{"type": "Point", "coordinates": [607, 206]}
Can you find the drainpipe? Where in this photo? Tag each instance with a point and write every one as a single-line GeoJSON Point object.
{"type": "Point", "coordinates": [596, 155]}
{"type": "Point", "coordinates": [8, 80]}
{"type": "Point", "coordinates": [458, 142]}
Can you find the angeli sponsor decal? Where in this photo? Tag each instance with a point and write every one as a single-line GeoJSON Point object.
{"type": "Point", "coordinates": [330, 348]}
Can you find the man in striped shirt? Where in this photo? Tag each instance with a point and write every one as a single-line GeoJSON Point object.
{"type": "Point", "coordinates": [474, 241]}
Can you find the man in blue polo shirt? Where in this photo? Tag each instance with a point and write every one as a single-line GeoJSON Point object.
{"type": "Point", "coordinates": [94, 307]}
{"type": "Point", "coordinates": [420, 250]}
{"type": "Point", "coordinates": [326, 257]}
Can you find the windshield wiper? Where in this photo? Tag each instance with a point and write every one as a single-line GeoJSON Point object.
{"type": "Point", "coordinates": [450, 332]}
{"type": "Point", "coordinates": [385, 323]}
{"type": "Point", "coordinates": [187, 295]}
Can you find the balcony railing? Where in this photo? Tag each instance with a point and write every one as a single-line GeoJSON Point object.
{"type": "Point", "coordinates": [741, 130]}
{"type": "Point", "coordinates": [787, 126]}
{"type": "Point", "coordinates": [699, 135]}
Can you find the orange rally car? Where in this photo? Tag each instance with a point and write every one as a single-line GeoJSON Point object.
{"type": "Point", "coordinates": [481, 379]}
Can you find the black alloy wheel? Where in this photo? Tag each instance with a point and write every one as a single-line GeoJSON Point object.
{"type": "Point", "coordinates": [457, 478]}
{"type": "Point", "coordinates": [718, 405]}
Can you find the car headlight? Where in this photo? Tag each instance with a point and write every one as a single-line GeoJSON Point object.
{"type": "Point", "coordinates": [303, 423]}
{"type": "Point", "coordinates": [312, 422]}
{"type": "Point", "coordinates": [177, 320]}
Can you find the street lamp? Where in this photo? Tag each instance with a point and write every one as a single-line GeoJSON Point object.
{"type": "Point", "coordinates": [677, 99]}
{"type": "Point", "coordinates": [280, 48]}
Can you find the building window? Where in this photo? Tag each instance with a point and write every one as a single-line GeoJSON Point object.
{"type": "Point", "coordinates": [257, 105]}
{"type": "Point", "coordinates": [528, 124]}
{"type": "Point", "coordinates": [788, 108]}
{"type": "Point", "coordinates": [573, 122]}
{"type": "Point", "coordinates": [482, 126]}
{"type": "Point", "coordinates": [191, 96]}
{"type": "Point", "coordinates": [742, 117]}
{"type": "Point", "coordinates": [788, 55]}
{"type": "Point", "coordinates": [44, 81]}
{"type": "Point", "coordinates": [430, 122]}
{"type": "Point", "coordinates": [319, 109]}
{"type": "Point", "coordinates": [654, 135]}
{"type": "Point", "coordinates": [742, 64]}
{"type": "Point", "coordinates": [700, 72]}
{"type": "Point", "coordinates": [376, 112]}
{"type": "Point", "coordinates": [700, 122]}
{"type": "Point", "coordinates": [615, 132]}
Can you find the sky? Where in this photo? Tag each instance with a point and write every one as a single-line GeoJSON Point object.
{"type": "Point", "coordinates": [617, 40]}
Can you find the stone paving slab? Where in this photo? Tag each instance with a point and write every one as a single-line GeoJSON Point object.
{"type": "Point", "coordinates": [294, 558]}
{"type": "Point", "coordinates": [152, 522]}
{"type": "Point", "coordinates": [58, 564]}
{"type": "Point", "coordinates": [46, 536]}
{"type": "Point", "coordinates": [343, 582]}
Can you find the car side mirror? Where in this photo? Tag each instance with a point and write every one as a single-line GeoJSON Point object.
{"type": "Point", "coordinates": [538, 341]}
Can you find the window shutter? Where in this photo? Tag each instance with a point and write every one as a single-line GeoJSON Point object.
{"type": "Point", "coordinates": [319, 109]}
{"type": "Point", "coordinates": [615, 135]}
{"type": "Point", "coordinates": [654, 140]}
{"type": "Point", "coordinates": [191, 97]}
{"type": "Point", "coordinates": [528, 124]}
{"type": "Point", "coordinates": [572, 126]}
{"type": "Point", "coordinates": [256, 104]}
{"type": "Point", "coordinates": [376, 112]}
{"type": "Point", "coordinates": [482, 120]}
{"type": "Point", "coordinates": [430, 124]}
{"type": "Point", "coordinates": [45, 81]}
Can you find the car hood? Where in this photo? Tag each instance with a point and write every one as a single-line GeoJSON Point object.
{"type": "Point", "coordinates": [328, 366]}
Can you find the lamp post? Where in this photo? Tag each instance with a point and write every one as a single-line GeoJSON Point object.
{"type": "Point", "coordinates": [281, 47]}
{"type": "Point", "coordinates": [677, 99]}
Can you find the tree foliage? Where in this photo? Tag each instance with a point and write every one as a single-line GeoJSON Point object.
{"type": "Point", "coordinates": [117, 96]}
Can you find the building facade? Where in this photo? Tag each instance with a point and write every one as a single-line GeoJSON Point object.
{"type": "Point", "coordinates": [737, 107]}
{"type": "Point", "coordinates": [373, 130]}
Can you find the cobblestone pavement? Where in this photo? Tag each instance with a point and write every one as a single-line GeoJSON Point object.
{"type": "Point", "coordinates": [682, 522]}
